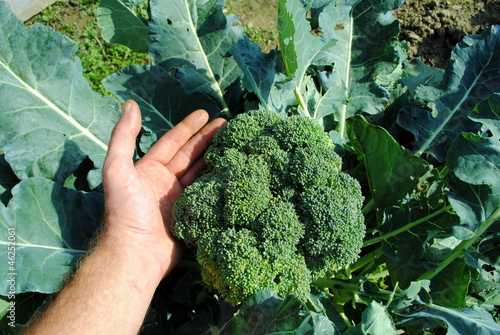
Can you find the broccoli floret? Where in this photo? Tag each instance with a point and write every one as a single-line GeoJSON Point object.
{"type": "Point", "coordinates": [273, 209]}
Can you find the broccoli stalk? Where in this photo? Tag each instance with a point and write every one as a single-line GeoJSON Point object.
{"type": "Point", "coordinates": [273, 210]}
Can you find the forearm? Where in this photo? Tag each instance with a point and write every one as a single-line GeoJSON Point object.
{"type": "Point", "coordinates": [110, 294]}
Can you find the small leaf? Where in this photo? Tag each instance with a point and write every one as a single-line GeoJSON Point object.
{"type": "Point", "coordinates": [376, 320]}
{"type": "Point", "coordinates": [474, 204]}
{"type": "Point", "coordinates": [475, 159]}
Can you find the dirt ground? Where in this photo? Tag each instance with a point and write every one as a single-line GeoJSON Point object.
{"type": "Point", "coordinates": [432, 27]}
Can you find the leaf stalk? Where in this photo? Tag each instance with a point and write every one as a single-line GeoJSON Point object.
{"type": "Point", "coordinates": [464, 245]}
{"type": "Point", "coordinates": [406, 227]}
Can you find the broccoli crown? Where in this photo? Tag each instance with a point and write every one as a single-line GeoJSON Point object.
{"type": "Point", "coordinates": [273, 209]}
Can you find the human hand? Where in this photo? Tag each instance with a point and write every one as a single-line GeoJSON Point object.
{"type": "Point", "coordinates": [139, 199]}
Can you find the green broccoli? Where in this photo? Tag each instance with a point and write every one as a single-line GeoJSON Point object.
{"type": "Point", "coordinates": [273, 210]}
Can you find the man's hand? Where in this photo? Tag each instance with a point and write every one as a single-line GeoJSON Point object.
{"type": "Point", "coordinates": [113, 287]}
{"type": "Point", "coordinates": [139, 199]}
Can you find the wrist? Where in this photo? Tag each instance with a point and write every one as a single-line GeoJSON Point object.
{"type": "Point", "coordinates": [137, 266]}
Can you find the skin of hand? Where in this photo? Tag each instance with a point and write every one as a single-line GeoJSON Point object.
{"type": "Point", "coordinates": [113, 287]}
{"type": "Point", "coordinates": [139, 199]}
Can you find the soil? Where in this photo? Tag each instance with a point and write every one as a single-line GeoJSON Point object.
{"type": "Point", "coordinates": [434, 27]}
{"type": "Point", "coordinates": [431, 27]}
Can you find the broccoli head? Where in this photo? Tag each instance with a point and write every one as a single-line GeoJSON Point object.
{"type": "Point", "coordinates": [273, 210]}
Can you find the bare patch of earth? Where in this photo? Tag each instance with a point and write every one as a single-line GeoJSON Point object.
{"type": "Point", "coordinates": [434, 27]}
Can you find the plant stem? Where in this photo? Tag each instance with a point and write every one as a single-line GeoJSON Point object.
{"type": "Point", "coordinates": [300, 98]}
{"type": "Point", "coordinates": [342, 121]}
{"type": "Point", "coordinates": [330, 283]}
{"type": "Point", "coordinates": [366, 259]}
{"type": "Point", "coordinates": [368, 207]}
{"type": "Point", "coordinates": [464, 245]}
{"type": "Point", "coordinates": [406, 227]}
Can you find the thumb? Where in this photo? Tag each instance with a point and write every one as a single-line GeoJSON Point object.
{"type": "Point", "coordinates": [123, 138]}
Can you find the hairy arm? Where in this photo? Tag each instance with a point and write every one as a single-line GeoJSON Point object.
{"type": "Point", "coordinates": [113, 287]}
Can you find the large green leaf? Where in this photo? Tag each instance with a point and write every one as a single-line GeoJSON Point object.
{"type": "Point", "coordinates": [300, 48]}
{"type": "Point", "coordinates": [121, 22]}
{"type": "Point", "coordinates": [163, 99]}
{"type": "Point", "coordinates": [391, 170]}
{"type": "Point", "coordinates": [415, 303]}
{"type": "Point", "coordinates": [197, 33]}
{"type": "Point", "coordinates": [352, 48]}
{"type": "Point", "coordinates": [471, 76]}
{"type": "Point", "coordinates": [367, 55]}
{"type": "Point", "coordinates": [475, 160]}
{"type": "Point", "coordinates": [45, 96]}
{"type": "Point", "coordinates": [52, 226]}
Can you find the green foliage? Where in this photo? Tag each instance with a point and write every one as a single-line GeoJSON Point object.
{"type": "Point", "coordinates": [422, 142]}
{"type": "Point", "coordinates": [79, 21]}
{"type": "Point", "coordinates": [273, 211]}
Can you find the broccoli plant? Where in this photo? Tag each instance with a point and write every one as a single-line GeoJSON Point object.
{"type": "Point", "coordinates": [273, 211]}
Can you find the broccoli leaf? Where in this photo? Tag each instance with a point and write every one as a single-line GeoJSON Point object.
{"type": "Point", "coordinates": [475, 197]}
{"type": "Point", "coordinates": [391, 170]}
{"type": "Point", "coordinates": [473, 320]}
{"type": "Point", "coordinates": [45, 85]}
{"type": "Point", "coordinates": [475, 159]}
{"type": "Point", "coordinates": [474, 204]}
{"type": "Point", "coordinates": [487, 112]}
{"type": "Point", "coordinates": [300, 48]}
{"type": "Point", "coordinates": [375, 320]}
{"type": "Point", "coordinates": [259, 70]}
{"type": "Point", "coordinates": [471, 76]}
{"type": "Point", "coordinates": [198, 34]}
{"type": "Point", "coordinates": [450, 287]}
{"type": "Point", "coordinates": [343, 42]}
{"type": "Point", "coordinates": [164, 101]}
{"type": "Point", "coordinates": [367, 58]}
{"type": "Point", "coordinates": [418, 73]}
{"type": "Point", "coordinates": [121, 22]}
{"type": "Point", "coordinates": [267, 313]}
{"type": "Point", "coordinates": [52, 226]}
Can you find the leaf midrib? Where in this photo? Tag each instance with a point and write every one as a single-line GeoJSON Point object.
{"type": "Point", "coordinates": [56, 109]}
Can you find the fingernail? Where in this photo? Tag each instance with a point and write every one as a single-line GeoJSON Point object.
{"type": "Point", "coordinates": [126, 107]}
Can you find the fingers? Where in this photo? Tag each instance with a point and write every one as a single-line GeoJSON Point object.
{"type": "Point", "coordinates": [122, 143]}
{"type": "Point", "coordinates": [168, 145]}
{"type": "Point", "coordinates": [186, 162]}
{"type": "Point", "coordinates": [192, 173]}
